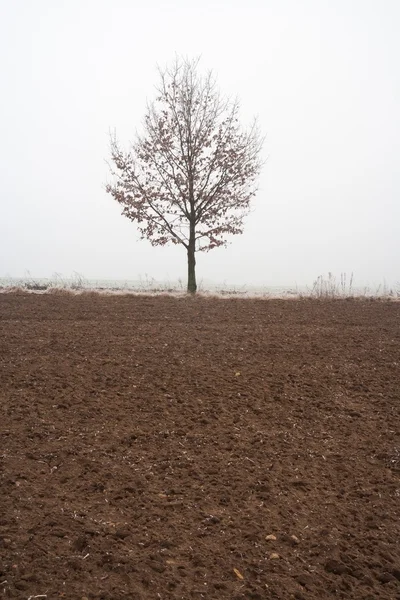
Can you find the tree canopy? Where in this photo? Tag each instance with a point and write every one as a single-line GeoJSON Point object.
{"type": "Point", "coordinates": [189, 177]}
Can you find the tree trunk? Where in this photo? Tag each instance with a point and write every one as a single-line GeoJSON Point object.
{"type": "Point", "coordinates": [192, 285]}
{"type": "Point", "coordinates": [191, 253]}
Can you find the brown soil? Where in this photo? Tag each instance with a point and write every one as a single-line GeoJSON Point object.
{"type": "Point", "coordinates": [150, 445]}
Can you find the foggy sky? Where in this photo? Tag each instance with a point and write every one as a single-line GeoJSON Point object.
{"type": "Point", "coordinates": [322, 75]}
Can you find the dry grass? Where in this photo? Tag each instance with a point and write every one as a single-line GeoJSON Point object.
{"type": "Point", "coordinates": [323, 288]}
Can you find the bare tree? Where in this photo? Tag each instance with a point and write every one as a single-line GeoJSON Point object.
{"type": "Point", "coordinates": [189, 178]}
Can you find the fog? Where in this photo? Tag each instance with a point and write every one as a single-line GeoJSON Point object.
{"type": "Point", "coordinates": [322, 76]}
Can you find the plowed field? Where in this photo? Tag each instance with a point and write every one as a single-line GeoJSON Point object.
{"type": "Point", "coordinates": [178, 448]}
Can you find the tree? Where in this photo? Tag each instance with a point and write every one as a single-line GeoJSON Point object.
{"type": "Point", "coordinates": [189, 178]}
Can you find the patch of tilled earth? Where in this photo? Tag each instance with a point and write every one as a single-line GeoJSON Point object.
{"type": "Point", "coordinates": [156, 447]}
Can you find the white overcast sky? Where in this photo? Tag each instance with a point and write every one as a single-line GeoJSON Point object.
{"type": "Point", "coordinates": [322, 75]}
